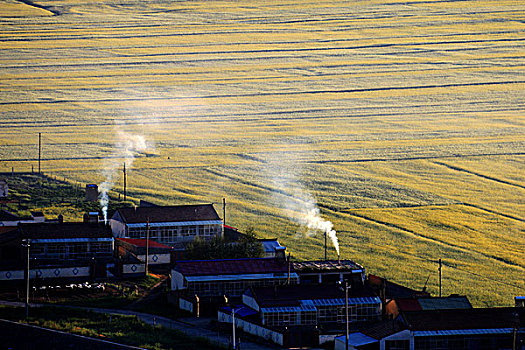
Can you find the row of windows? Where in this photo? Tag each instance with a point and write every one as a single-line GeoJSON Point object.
{"type": "Point", "coordinates": [71, 250]}
{"type": "Point", "coordinates": [173, 234]}
{"type": "Point", "coordinates": [325, 314]}
{"type": "Point", "coordinates": [290, 318]}
{"type": "Point", "coordinates": [462, 342]}
{"type": "Point", "coordinates": [231, 288]}
{"type": "Point", "coordinates": [356, 313]}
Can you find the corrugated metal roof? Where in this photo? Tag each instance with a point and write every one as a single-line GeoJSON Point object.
{"type": "Point", "coordinates": [65, 230]}
{"type": "Point", "coordinates": [240, 310]}
{"type": "Point", "coordinates": [199, 212]}
{"type": "Point", "coordinates": [351, 301]}
{"type": "Point", "coordinates": [280, 309]}
{"type": "Point", "coordinates": [142, 243]}
{"type": "Point", "coordinates": [231, 266]}
{"type": "Point", "coordinates": [357, 339]}
{"type": "Point", "coordinates": [476, 318]}
{"type": "Point", "coordinates": [71, 240]}
{"type": "Point", "coordinates": [459, 302]}
{"type": "Point", "coordinates": [177, 223]}
{"type": "Point", "coordinates": [463, 332]}
{"type": "Point", "coordinates": [252, 276]}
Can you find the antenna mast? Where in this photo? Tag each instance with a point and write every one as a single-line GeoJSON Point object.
{"type": "Point", "coordinates": [124, 181]}
{"type": "Point", "coordinates": [39, 150]}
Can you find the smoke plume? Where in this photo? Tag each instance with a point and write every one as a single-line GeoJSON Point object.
{"type": "Point", "coordinates": [127, 146]}
{"type": "Point", "coordinates": [295, 200]}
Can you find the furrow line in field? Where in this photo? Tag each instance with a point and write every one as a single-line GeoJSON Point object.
{"type": "Point", "coordinates": [259, 94]}
{"type": "Point", "coordinates": [435, 241]}
{"type": "Point", "coordinates": [349, 67]}
{"type": "Point", "coordinates": [366, 160]}
{"type": "Point", "coordinates": [245, 119]}
{"type": "Point", "coordinates": [493, 212]}
{"type": "Point", "coordinates": [293, 50]}
{"type": "Point", "coordinates": [302, 49]}
{"type": "Point", "coordinates": [309, 114]}
{"type": "Point", "coordinates": [208, 60]}
{"type": "Point", "coordinates": [249, 183]}
{"type": "Point", "coordinates": [299, 161]}
{"type": "Point", "coordinates": [183, 30]}
{"type": "Point", "coordinates": [46, 8]}
{"type": "Point", "coordinates": [74, 158]}
{"type": "Point", "coordinates": [410, 37]}
{"type": "Point", "coordinates": [241, 23]}
{"type": "Point", "coordinates": [139, 79]}
{"type": "Point", "coordinates": [349, 209]}
{"type": "Point", "coordinates": [456, 168]}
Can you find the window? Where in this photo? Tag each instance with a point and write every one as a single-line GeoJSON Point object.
{"type": "Point", "coordinates": [308, 318]}
{"type": "Point", "coordinates": [56, 250]}
{"type": "Point", "coordinates": [77, 250]}
{"type": "Point", "coordinates": [36, 250]}
{"type": "Point", "coordinates": [397, 344]}
{"type": "Point", "coordinates": [280, 318]}
{"type": "Point", "coordinates": [101, 248]}
{"type": "Point", "coordinates": [327, 314]}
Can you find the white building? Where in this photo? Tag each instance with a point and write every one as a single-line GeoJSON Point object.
{"type": "Point", "coordinates": [170, 225]}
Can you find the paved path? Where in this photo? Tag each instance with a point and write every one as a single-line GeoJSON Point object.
{"type": "Point", "coordinates": [192, 326]}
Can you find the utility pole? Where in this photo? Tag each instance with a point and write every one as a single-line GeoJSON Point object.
{"type": "Point", "coordinates": [147, 246]}
{"type": "Point", "coordinates": [26, 243]}
{"type": "Point", "coordinates": [325, 246]}
{"type": "Point", "coordinates": [224, 211]}
{"type": "Point", "coordinates": [346, 312]}
{"type": "Point", "coordinates": [39, 150]}
{"type": "Point", "coordinates": [233, 330]}
{"type": "Point", "coordinates": [124, 181]}
{"type": "Point", "coordinates": [440, 278]}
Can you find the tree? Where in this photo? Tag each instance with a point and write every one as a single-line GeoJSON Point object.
{"type": "Point", "coordinates": [248, 246]}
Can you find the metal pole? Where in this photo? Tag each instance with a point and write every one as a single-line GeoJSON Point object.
{"type": "Point", "coordinates": [440, 278]}
{"type": "Point", "coordinates": [224, 211]}
{"type": "Point", "coordinates": [124, 181]}
{"type": "Point", "coordinates": [233, 325]}
{"type": "Point", "coordinates": [27, 244]}
{"type": "Point", "coordinates": [147, 246]}
{"type": "Point", "coordinates": [325, 246]}
{"type": "Point", "coordinates": [39, 150]}
{"type": "Point", "coordinates": [514, 338]}
{"type": "Point", "coordinates": [346, 311]}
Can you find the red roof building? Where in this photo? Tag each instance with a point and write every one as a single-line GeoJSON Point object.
{"type": "Point", "coordinates": [230, 277]}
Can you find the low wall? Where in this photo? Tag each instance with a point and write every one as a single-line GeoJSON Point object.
{"type": "Point", "coordinates": [54, 272]}
{"type": "Point", "coordinates": [252, 328]}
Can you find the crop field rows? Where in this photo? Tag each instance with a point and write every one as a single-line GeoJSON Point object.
{"type": "Point", "coordinates": [402, 121]}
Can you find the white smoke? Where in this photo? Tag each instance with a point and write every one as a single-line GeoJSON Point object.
{"type": "Point", "coordinates": [313, 221]}
{"type": "Point", "coordinates": [127, 146]}
{"type": "Point", "coordinates": [295, 200]}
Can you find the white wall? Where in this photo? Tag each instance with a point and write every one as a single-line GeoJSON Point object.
{"type": "Point", "coordinates": [177, 280]}
{"type": "Point", "coordinates": [58, 272]}
{"type": "Point", "coordinates": [250, 302]}
{"type": "Point", "coordinates": [185, 305]}
{"type": "Point", "coordinates": [133, 268]}
{"type": "Point", "coordinates": [252, 328]}
{"type": "Point", "coordinates": [118, 228]}
{"type": "Point", "coordinates": [160, 258]}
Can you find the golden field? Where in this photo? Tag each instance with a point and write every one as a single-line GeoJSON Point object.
{"type": "Point", "coordinates": [403, 121]}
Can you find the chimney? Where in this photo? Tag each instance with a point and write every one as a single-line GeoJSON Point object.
{"type": "Point", "coordinates": [92, 217]}
{"type": "Point", "coordinates": [280, 253]}
{"type": "Point", "coordinates": [91, 193]}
